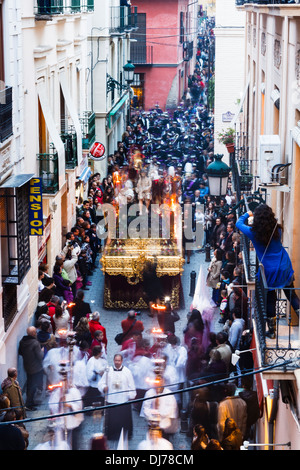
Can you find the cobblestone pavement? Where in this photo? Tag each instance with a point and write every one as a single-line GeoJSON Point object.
{"type": "Point", "coordinates": [111, 320]}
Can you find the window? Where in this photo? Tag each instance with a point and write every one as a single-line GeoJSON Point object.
{"type": "Point", "coordinates": [14, 230]}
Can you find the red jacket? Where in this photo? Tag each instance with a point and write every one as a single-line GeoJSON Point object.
{"type": "Point", "coordinates": [126, 324]}
{"type": "Point", "coordinates": [95, 325]}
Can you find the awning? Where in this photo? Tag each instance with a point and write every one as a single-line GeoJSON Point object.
{"type": "Point", "coordinates": [16, 181]}
{"type": "Point", "coordinates": [54, 134]}
{"type": "Point", "coordinates": [241, 104]}
{"type": "Point", "coordinates": [84, 177]}
{"type": "Point", "coordinates": [116, 108]}
{"type": "Point", "coordinates": [72, 110]}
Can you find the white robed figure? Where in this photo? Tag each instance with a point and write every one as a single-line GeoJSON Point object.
{"type": "Point", "coordinates": [163, 406]}
{"type": "Point", "coordinates": [155, 441]}
{"type": "Point", "coordinates": [141, 368]}
{"type": "Point", "coordinates": [68, 402]}
{"type": "Point", "coordinates": [203, 302]}
{"type": "Point", "coordinates": [118, 385]}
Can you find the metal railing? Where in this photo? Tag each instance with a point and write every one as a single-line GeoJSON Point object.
{"type": "Point", "coordinates": [57, 7]}
{"type": "Point", "coordinates": [141, 54]}
{"type": "Point", "coordinates": [284, 343]}
{"type": "Point", "coordinates": [270, 305]}
{"type": "Point", "coordinates": [6, 116]}
{"type": "Point", "coordinates": [69, 139]}
{"type": "Point", "coordinates": [123, 19]}
{"type": "Point", "coordinates": [49, 170]}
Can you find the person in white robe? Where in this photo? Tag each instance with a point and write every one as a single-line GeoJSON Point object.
{"type": "Point", "coordinates": [70, 401]}
{"type": "Point", "coordinates": [155, 441]}
{"type": "Point", "coordinates": [163, 406]}
{"type": "Point", "coordinates": [118, 385]}
{"type": "Point", "coordinates": [141, 368]}
{"type": "Point", "coordinates": [96, 366]}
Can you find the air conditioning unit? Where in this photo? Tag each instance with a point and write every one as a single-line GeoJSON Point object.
{"type": "Point", "coordinates": [269, 157]}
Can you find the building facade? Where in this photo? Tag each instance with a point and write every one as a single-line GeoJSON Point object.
{"type": "Point", "coordinates": [163, 51]}
{"type": "Point", "coordinates": [110, 29]}
{"type": "Point", "coordinates": [267, 145]}
{"type": "Point", "coordinates": [229, 66]}
{"type": "Point", "coordinates": [44, 63]}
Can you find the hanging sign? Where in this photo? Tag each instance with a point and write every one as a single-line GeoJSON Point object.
{"type": "Point", "coordinates": [36, 208]}
{"type": "Point", "coordinates": [97, 151]}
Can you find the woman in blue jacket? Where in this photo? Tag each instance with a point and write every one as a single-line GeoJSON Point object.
{"type": "Point", "coordinates": [265, 234]}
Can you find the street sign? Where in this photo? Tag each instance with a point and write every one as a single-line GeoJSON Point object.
{"type": "Point", "coordinates": [97, 151]}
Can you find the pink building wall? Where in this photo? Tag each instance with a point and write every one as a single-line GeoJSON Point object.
{"type": "Point", "coordinates": [166, 78]}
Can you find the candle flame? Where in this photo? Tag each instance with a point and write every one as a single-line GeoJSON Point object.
{"type": "Point", "coordinates": [54, 386]}
{"type": "Point", "coordinates": [158, 307]}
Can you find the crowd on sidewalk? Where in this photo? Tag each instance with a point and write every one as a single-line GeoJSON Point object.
{"type": "Point", "coordinates": [161, 154]}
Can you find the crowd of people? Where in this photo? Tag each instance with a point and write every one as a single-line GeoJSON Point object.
{"type": "Point", "coordinates": [161, 155]}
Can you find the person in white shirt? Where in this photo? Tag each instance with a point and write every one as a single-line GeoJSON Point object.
{"type": "Point", "coordinates": [118, 384]}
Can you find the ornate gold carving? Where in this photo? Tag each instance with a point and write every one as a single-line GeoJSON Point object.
{"type": "Point", "coordinates": [128, 258]}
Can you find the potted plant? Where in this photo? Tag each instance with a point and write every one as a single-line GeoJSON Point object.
{"type": "Point", "coordinates": [227, 138]}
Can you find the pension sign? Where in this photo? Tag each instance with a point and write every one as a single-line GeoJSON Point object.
{"type": "Point", "coordinates": [36, 207]}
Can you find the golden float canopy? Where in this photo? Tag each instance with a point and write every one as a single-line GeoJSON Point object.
{"type": "Point", "coordinates": [129, 257]}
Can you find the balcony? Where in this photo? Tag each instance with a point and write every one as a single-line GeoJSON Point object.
{"type": "Point", "coordinates": [6, 120]}
{"type": "Point", "coordinates": [48, 170]}
{"type": "Point", "coordinates": [141, 54]}
{"type": "Point", "coordinates": [69, 139]}
{"type": "Point", "coordinates": [285, 344]}
{"type": "Point", "coordinates": [45, 9]}
{"type": "Point", "coordinates": [123, 20]}
{"type": "Point", "coordinates": [88, 124]}
{"type": "Point", "coordinates": [188, 50]}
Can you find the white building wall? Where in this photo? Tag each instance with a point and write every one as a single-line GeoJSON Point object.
{"type": "Point", "coordinates": [229, 65]}
{"type": "Point", "coordinates": [34, 50]}
{"type": "Point", "coordinates": [109, 52]}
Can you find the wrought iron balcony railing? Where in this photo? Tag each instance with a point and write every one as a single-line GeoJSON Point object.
{"type": "Point", "coordinates": [284, 345]}
{"type": "Point", "coordinates": [49, 170]}
{"type": "Point", "coordinates": [141, 54]}
{"type": "Point", "coordinates": [57, 7]}
{"type": "Point", "coordinates": [6, 117]}
{"type": "Point", "coordinates": [69, 139]}
{"type": "Point", "coordinates": [123, 19]}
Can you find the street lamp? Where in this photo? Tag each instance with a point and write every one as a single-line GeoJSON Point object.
{"type": "Point", "coordinates": [218, 173]}
{"type": "Point", "coordinates": [129, 69]}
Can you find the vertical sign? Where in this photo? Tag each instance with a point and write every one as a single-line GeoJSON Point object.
{"type": "Point", "coordinates": [35, 207]}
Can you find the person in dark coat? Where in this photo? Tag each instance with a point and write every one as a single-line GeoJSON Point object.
{"type": "Point", "coordinates": [80, 309]}
{"type": "Point", "coordinates": [152, 285]}
{"type": "Point", "coordinates": [11, 437]}
{"type": "Point", "coordinates": [167, 319]}
{"type": "Point", "coordinates": [251, 398]}
{"type": "Point", "coordinates": [33, 355]}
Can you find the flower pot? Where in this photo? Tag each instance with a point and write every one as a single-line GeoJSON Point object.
{"type": "Point", "coordinates": [230, 148]}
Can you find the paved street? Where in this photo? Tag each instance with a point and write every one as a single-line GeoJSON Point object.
{"type": "Point", "coordinates": [111, 320]}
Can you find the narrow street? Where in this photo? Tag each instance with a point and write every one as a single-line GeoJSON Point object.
{"type": "Point", "coordinates": [111, 320]}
